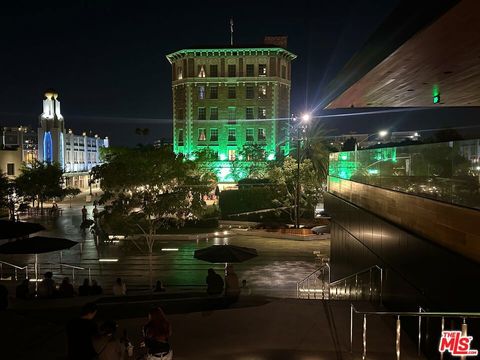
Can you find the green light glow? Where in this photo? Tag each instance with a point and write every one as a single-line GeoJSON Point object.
{"type": "Point", "coordinates": [436, 94]}
{"type": "Point", "coordinates": [373, 171]}
{"type": "Point", "coordinates": [271, 157]}
{"type": "Point", "coordinates": [222, 157]}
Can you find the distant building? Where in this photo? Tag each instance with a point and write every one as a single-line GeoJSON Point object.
{"type": "Point", "coordinates": [367, 140]}
{"type": "Point", "coordinates": [76, 154]}
{"type": "Point", "coordinates": [11, 161]}
{"type": "Point", "coordinates": [22, 137]}
{"type": "Point", "coordinates": [230, 96]}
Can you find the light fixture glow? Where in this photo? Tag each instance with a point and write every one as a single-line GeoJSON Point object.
{"type": "Point", "coordinates": [107, 260]}
{"type": "Point", "coordinates": [169, 249]}
{"type": "Point", "coordinates": [382, 133]}
{"type": "Point", "coordinates": [306, 117]}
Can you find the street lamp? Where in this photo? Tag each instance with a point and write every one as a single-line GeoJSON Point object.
{"type": "Point", "coordinates": [304, 119]}
{"type": "Point", "coordinates": [380, 134]}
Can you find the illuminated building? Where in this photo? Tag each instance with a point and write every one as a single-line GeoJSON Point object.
{"type": "Point", "coordinates": [76, 154]}
{"type": "Point", "coordinates": [229, 97]}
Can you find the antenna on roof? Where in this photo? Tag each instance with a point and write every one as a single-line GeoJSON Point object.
{"type": "Point", "coordinates": [231, 31]}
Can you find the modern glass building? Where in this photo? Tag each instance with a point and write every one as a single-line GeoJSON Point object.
{"type": "Point", "coordinates": [226, 98]}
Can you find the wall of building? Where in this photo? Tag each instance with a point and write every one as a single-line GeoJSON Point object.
{"type": "Point", "coordinates": [11, 162]}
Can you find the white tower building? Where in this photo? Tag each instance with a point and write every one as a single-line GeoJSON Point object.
{"type": "Point", "coordinates": [51, 131]}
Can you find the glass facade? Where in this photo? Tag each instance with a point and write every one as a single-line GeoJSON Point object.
{"type": "Point", "coordinates": [448, 172]}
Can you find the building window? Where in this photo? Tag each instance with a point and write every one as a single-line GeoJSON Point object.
{"type": "Point", "coordinates": [262, 91]}
{"type": "Point", "coordinates": [249, 113]}
{"type": "Point", "coordinates": [232, 116]}
{"type": "Point", "coordinates": [11, 169]}
{"type": "Point", "coordinates": [249, 135]}
{"type": "Point", "coordinates": [232, 135]}
{"type": "Point", "coordinates": [202, 113]}
{"type": "Point", "coordinates": [262, 113]}
{"type": "Point", "coordinates": [180, 137]}
{"type": "Point", "coordinates": [284, 72]}
{"type": "Point", "coordinates": [180, 115]}
{"type": "Point", "coordinates": [231, 155]}
{"type": "Point", "coordinates": [201, 71]}
{"type": "Point", "coordinates": [232, 92]}
{"type": "Point", "coordinates": [262, 135]}
{"type": "Point", "coordinates": [262, 69]}
{"type": "Point", "coordinates": [214, 135]}
{"type": "Point", "coordinates": [249, 92]}
{"type": "Point", "coordinates": [213, 113]}
{"type": "Point", "coordinates": [179, 74]}
{"type": "Point", "coordinates": [232, 70]}
{"type": "Point", "coordinates": [213, 70]}
{"type": "Point", "coordinates": [202, 134]}
{"type": "Point", "coordinates": [201, 92]}
{"type": "Point", "coordinates": [213, 92]}
{"type": "Point", "coordinates": [250, 70]}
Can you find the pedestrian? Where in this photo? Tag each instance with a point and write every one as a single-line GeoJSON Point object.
{"type": "Point", "coordinates": [214, 283]}
{"type": "Point", "coordinates": [95, 213]}
{"type": "Point", "coordinates": [96, 289]}
{"type": "Point", "coordinates": [84, 289]}
{"type": "Point", "coordinates": [47, 288]}
{"type": "Point", "coordinates": [3, 297]}
{"type": "Point", "coordinates": [244, 289]}
{"type": "Point", "coordinates": [156, 334]}
{"type": "Point", "coordinates": [66, 289]}
{"type": "Point", "coordinates": [119, 288]}
{"type": "Point", "coordinates": [84, 213]}
{"type": "Point", "coordinates": [106, 344]}
{"type": "Point", "coordinates": [80, 334]}
{"type": "Point", "coordinates": [22, 290]}
{"type": "Point", "coordinates": [232, 286]}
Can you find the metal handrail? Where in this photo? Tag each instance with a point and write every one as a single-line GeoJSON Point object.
{"type": "Point", "coordinates": [73, 267]}
{"type": "Point", "coordinates": [309, 276]}
{"type": "Point", "coordinates": [399, 314]}
{"type": "Point", "coordinates": [16, 267]}
{"type": "Point", "coordinates": [355, 275]}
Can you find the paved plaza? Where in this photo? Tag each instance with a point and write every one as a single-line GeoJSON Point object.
{"type": "Point", "coordinates": [279, 265]}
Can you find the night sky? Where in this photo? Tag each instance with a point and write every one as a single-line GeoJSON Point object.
{"type": "Point", "coordinates": [107, 58]}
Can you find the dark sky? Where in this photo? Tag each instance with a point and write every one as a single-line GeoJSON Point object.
{"type": "Point", "coordinates": [107, 58]}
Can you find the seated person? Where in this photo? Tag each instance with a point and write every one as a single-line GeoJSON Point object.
{"type": "Point", "coordinates": [214, 283]}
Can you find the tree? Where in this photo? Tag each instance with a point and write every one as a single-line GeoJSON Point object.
{"type": "Point", "coordinates": [41, 182]}
{"type": "Point", "coordinates": [284, 180]}
{"type": "Point", "coordinates": [149, 189]}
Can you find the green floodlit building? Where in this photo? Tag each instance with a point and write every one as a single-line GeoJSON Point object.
{"type": "Point", "coordinates": [229, 97]}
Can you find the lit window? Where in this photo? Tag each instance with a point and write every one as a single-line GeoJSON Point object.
{"type": "Point", "coordinates": [249, 92]}
{"type": "Point", "coordinates": [232, 116]}
{"type": "Point", "coordinates": [202, 136]}
{"type": "Point", "coordinates": [249, 113]}
{"type": "Point", "coordinates": [250, 70]}
{"type": "Point", "coordinates": [261, 135]}
{"type": "Point", "coordinates": [262, 113]}
{"type": "Point", "coordinates": [201, 92]}
{"type": "Point", "coordinates": [262, 70]}
{"type": "Point", "coordinates": [202, 113]}
{"type": "Point", "coordinates": [262, 91]}
{"type": "Point", "coordinates": [179, 74]}
{"type": "Point", "coordinates": [249, 135]}
{"type": "Point", "coordinates": [232, 135]}
{"type": "Point", "coordinates": [231, 155]}
{"type": "Point", "coordinates": [213, 70]}
{"type": "Point", "coordinates": [213, 134]}
{"type": "Point", "coordinates": [232, 92]}
{"type": "Point", "coordinates": [201, 72]}
{"type": "Point", "coordinates": [213, 92]}
{"type": "Point", "coordinates": [232, 70]}
{"type": "Point", "coordinates": [213, 113]}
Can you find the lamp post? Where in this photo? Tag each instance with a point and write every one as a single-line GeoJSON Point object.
{"type": "Point", "coordinates": [380, 134]}
{"type": "Point", "coordinates": [90, 182]}
{"type": "Point", "coordinates": [300, 126]}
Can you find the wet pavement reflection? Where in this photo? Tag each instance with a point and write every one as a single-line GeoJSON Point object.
{"type": "Point", "coordinates": [279, 265]}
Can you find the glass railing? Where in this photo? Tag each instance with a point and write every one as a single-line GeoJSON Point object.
{"type": "Point", "coordinates": [448, 172]}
